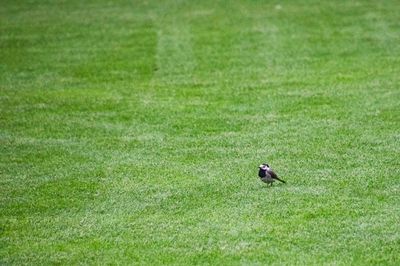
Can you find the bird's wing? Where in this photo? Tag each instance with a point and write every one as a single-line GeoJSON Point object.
{"type": "Point", "coordinates": [272, 173]}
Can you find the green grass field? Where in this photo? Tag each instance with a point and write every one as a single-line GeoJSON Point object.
{"type": "Point", "coordinates": [131, 132]}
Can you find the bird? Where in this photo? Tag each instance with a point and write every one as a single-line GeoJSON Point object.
{"type": "Point", "coordinates": [267, 175]}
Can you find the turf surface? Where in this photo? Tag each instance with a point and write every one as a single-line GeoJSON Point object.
{"type": "Point", "coordinates": [131, 132]}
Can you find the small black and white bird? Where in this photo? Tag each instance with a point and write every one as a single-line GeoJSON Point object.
{"type": "Point", "coordinates": [267, 175]}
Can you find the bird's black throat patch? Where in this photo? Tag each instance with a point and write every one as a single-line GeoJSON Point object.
{"type": "Point", "coordinates": [262, 173]}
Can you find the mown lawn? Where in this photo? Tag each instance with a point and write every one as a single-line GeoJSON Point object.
{"type": "Point", "coordinates": [131, 132]}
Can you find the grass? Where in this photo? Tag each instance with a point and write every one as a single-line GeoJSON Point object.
{"type": "Point", "coordinates": [131, 132]}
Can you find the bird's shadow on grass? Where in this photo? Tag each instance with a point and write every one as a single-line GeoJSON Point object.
{"type": "Point", "coordinates": [269, 187]}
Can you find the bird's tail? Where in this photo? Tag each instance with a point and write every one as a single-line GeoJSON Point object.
{"type": "Point", "coordinates": [277, 178]}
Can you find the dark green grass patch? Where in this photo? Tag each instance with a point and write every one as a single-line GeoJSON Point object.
{"type": "Point", "coordinates": [131, 132]}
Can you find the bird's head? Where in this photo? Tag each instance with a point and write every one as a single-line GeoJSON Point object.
{"type": "Point", "coordinates": [264, 166]}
